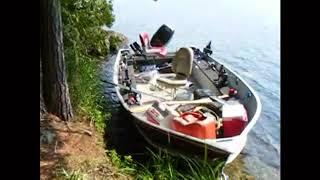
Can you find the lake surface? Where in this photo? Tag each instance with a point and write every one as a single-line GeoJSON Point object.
{"type": "Point", "coordinates": [245, 35]}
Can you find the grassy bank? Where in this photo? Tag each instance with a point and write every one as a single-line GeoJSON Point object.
{"type": "Point", "coordinates": [165, 166]}
{"type": "Point", "coordinates": [86, 45]}
{"type": "Point", "coordinates": [77, 152]}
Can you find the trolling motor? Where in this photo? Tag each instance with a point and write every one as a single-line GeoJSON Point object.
{"type": "Point", "coordinates": [207, 50]}
{"type": "Point", "coordinates": [202, 54]}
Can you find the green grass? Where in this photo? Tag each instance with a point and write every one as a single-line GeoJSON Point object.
{"type": "Point", "coordinates": [86, 90]}
{"type": "Point", "coordinates": [85, 46]}
{"type": "Point", "coordinates": [124, 163]}
{"type": "Point", "coordinates": [165, 166]}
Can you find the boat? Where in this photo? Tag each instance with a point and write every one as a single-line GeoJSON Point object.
{"type": "Point", "coordinates": [185, 101]}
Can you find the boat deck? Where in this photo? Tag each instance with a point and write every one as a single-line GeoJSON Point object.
{"type": "Point", "coordinates": [145, 82]}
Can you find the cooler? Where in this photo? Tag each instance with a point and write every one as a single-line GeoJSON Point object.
{"type": "Point", "coordinates": [234, 119]}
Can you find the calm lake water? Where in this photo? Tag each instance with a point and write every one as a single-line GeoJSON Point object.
{"type": "Point", "coordinates": [245, 35]}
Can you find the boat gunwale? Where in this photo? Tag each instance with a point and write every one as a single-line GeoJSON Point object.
{"type": "Point", "coordinates": [257, 113]}
{"type": "Point", "coordinates": [212, 148]}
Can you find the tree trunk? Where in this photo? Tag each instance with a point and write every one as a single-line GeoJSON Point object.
{"type": "Point", "coordinates": [43, 110]}
{"type": "Point", "coordinates": [56, 91]}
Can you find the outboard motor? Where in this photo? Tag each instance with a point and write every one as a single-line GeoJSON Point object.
{"type": "Point", "coordinates": [162, 36]}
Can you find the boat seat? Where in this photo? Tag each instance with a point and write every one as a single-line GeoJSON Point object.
{"type": "Point", "coordinates": [145, 42]}
{"type": "Point", "coordinates": [182, 68]}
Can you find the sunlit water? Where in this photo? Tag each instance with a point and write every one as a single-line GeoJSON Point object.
{"type": "Point", "coordinates": [245, 35]}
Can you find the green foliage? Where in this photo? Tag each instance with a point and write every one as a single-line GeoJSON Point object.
{"type": "Point", "coordinates": [114, 41]}
{"type": "Point", "coordinates": [85, 44]}
{"type": "Point", "coordinates": [115, 158]}
{"type": "Point", "coordinates": [165, 166]}
{"type": "Point", "coordinates": [203, 170]}
{"type": "Point", "coordinates": [82, 22]}
{"type": "Point", "coordinates": [125, 163]}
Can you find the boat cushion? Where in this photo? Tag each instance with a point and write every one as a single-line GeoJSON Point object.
{"type": "Point", "coordinates": [171, 82]}
{"type": "Point", "coordinates": [145, 42]}
{"type": "Point", "coordinates": [162, 51]}
{"type": "Point", "coordinates": [160, 113]}
{"type": "Point", "coordinates": [144, 39]}
{"type": "Point", "coordinates": [172, 79]}
{"type": "Point", "coordinates": [182, 61]}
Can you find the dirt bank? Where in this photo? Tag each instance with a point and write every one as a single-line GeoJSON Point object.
{"type": "Point", "coordinates": [74, 149]}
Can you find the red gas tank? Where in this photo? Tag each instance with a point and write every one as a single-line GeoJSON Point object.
{"type": "Point", "coordinates": [196, 125]}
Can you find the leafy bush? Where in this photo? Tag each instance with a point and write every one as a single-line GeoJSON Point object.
{"type": "Point", "coordinates": [85, 45]}
{"type": "Point", "coordinates": [125, 163]}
